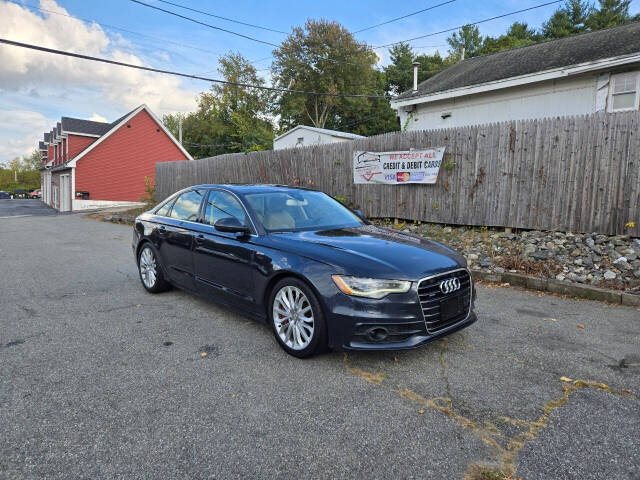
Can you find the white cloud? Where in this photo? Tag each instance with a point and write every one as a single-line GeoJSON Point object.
{"type": "Point", "coordinates": [124, 87]}
{"type": "Point", "coordinates": [60, 85]}
{"type": "Point", "coordinates": [97, 118]}
{"type": "Point", "coordinates": [26, 128]}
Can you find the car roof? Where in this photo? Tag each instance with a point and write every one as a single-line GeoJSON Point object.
{"type": "Point", "coordinates": [252, 188]}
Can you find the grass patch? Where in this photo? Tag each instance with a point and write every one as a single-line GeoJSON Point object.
{"type": "Point", "coordinates": [482, 472]}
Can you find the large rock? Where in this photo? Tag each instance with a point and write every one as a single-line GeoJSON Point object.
{"type": "Point", "coordinates": [540, 255]}
{"type": "Point", "coordinates": [485, 262]}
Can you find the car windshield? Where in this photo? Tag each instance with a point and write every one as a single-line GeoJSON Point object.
{"type": "Point", "coordinates": [297, 210]}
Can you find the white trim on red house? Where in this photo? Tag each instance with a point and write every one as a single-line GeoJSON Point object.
{"type": "Point", "coordinates": [81, 134]}
{"type": "Point", "coordinates": [73, 186]}
{"type": "Point", "coordinates": [519, 80]}
{"type": "Point", "coordinates": [73, 162]}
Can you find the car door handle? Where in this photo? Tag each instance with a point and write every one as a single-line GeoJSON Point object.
{"type": "Point", "coordinates": [199, 239]}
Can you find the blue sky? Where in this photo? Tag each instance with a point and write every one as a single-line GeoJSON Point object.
{"type": "Point", "coordinates": [36, 89]}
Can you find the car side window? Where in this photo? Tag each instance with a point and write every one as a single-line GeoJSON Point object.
{"type": "Point", "coordinates": [222, 205]}
{"type": "Point", "coordinates": [187, 206]}
{"type": "Point", "coordinates": [164, 209]}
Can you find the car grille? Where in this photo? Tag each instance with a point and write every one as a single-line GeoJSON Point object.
{"type": "Point", "coordinates": [431, 298]}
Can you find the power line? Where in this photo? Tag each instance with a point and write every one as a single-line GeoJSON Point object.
{"type": "Point", "coordinates": [204, 24]}
{"type": "Point", "coordinates": [105, 25]}
{"type": "Point", "coordinates": [261, 60]}
{"type": "Point", "coordinates": [472, 23]}
{"type": "Point", "coordinates": [404, 16]}
{"type": "Point", "coordinates": [185, 75]}
{"type": "Point", "coordinates": [431, 46]}
{"type": "Point", "coordinates": [232, 32]}
{"type": "Point", "coordinates": [222, 18]}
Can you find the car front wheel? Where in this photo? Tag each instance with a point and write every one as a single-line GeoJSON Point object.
{"type": "Point", "coordinates": [150, 271]}
{"type": "Point", "coordinates": [296, 318]}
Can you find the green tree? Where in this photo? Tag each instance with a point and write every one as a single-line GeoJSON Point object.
{"type": "Point", "coordinates": [323, 56]}
{"type": "Point", "coordinates": [399, 73]}
{"type": "Point", "coordinates": [518, 35]}
{"type": "Point", "coordinates": [368, 116]}
{"type": "Point", "coordinates": [21, 172]}
{"type": "Point", "coordinates": [15, 164]}
{"type": "Point", "coordinates": [609, 13]}
{"type": "Point", "coordinates": [521, 31]}
{"type": "Point", "coordinates": [569, 19]}
{"type": "Point", "coordinates": [34, 161]}
{"type": "Point", "coordinates": [467, 39]}
{"type": "Point", "coordinates": [229, 118]}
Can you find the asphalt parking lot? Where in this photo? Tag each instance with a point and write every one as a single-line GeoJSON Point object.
{"type": "Point", "coordinates": [24, 207]}
{"type": "Point", "coordinates": [99, 379]}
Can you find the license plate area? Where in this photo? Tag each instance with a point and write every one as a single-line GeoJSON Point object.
{"type": "Point", "coordinates": [452, 307]}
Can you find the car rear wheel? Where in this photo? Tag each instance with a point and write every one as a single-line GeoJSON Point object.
{"type": "Point", "coordinates": [296, 318]}
{"type": "Point", "coordinates": [150, 271]}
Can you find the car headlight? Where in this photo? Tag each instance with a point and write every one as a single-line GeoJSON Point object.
{"type": "Point", "coordinates": [370, 287]}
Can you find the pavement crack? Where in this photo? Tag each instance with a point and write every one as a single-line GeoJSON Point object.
{"type": "Point", "coordinates": [28, 310]}
{"type": "Point", "coordinates": [516, 443]}
{"type": "Point", "coordinates": [506, 455]}
{"type": "Point", "coordinates": [20, 341]}
{"type": "Point", "coordinates": [375, 378]}
{"type": "Point", "coordinates": [443, 405]}
{"type": "Point", "coordinates": [443, 365]}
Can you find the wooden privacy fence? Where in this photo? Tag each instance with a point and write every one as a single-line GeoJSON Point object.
{"type": "Point", "coordinates": [577, 173]}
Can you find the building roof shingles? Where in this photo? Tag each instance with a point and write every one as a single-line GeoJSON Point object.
{"type": "Point", "coordinates": [563, 52]}
{"type": "Point", "coordinates": [88, 127]}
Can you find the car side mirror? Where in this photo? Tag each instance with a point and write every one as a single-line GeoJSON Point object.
{"type": "Point", "coordinates": [359, 213]}
{"type": "Point", "coordinates": [231, 225]}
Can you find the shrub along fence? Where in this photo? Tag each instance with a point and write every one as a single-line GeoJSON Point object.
{"type": "Point", "coordinates": [579, 173]}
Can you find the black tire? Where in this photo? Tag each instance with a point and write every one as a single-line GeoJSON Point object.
{"type": "Point", "coordinates": [318, 341]}
{"type": "Point", "coordinates": [159, 284]}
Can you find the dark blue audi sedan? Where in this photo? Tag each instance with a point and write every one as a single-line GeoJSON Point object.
{"type": "Point", "coordinates": [316, 271]}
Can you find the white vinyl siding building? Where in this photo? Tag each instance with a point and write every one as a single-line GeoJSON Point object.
{"type": "Point", "coordinates": [575, 95]}
{"type": "Point", "coordinates": [304, 136]}
{"type": "Point", "coordinates": [584, 74]}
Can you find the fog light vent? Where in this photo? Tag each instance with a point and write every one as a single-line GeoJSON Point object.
{"type": "Point", "coordinates": [378, 334]}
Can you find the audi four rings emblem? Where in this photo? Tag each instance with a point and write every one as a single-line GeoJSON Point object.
{"type": "Point", "coordinates": [450, 285]}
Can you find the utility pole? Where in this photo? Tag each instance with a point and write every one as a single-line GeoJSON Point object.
{"type": "Point", "coordinates": [463, 49]}
{"type": "Point", "coordinates": [180, 130]}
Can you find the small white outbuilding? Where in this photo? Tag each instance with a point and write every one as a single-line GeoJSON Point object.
{"type": "Point", "coordinates": [304, 136]}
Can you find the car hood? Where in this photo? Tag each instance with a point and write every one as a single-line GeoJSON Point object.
{"type": "Point", "coordinates": [371, 251]}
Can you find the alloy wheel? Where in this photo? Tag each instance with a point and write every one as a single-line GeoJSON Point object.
{"type": "Point", "coordinates": [293, 317]}
{"type": "Point", "coordinates": [148, 267]}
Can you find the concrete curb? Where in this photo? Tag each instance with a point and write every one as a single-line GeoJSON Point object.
{"type": "Point", "coordinates": [561, 287]}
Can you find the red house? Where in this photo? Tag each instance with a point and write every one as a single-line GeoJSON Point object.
{"type": "Point", "coordinates": [89, 165]}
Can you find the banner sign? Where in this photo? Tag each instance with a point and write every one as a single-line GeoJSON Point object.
{"type": "Point", "coordinates": [415, 166]}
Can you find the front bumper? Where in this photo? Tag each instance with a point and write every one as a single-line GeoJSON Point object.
{"type": "Point", "coordinates": [412, 341]}
{"type": "Point", "coordinates": [395, 322]}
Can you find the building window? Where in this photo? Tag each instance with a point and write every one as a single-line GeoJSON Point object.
{"type": "Point", "coordinates": [624, 92]}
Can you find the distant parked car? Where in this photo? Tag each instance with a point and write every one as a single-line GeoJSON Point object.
{"type": "Point", "coordinates": [37, 193]}
{"type": "Point", "coordinates": [4, 194]}
{"type": "Point", "coordinates": [20, 193]}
